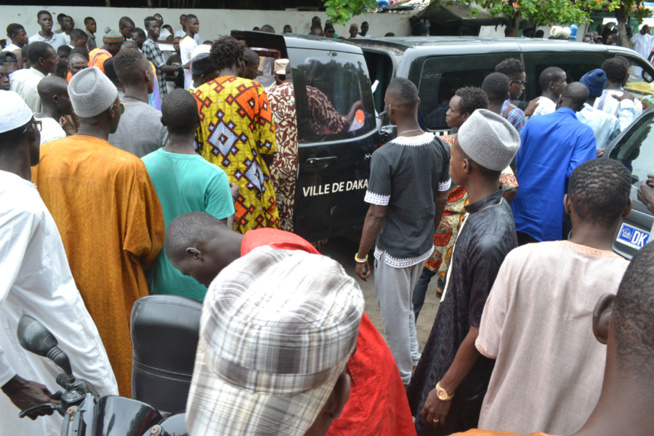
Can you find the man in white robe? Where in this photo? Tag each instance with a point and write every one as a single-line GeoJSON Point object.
{"type": "Point", "coordinates": [35, 280]}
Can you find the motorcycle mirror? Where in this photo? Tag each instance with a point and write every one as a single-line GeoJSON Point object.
{"type": "Point", "coordinates": [36, 338]}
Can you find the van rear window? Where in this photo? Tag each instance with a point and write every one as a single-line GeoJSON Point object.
{"type": "Point", "coordinates": [333, 95]}
{"type": "Point", "coordinates": [442, 76]}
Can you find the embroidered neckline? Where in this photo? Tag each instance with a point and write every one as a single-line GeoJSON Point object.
{"type": "Point", "coordinates": [590, 251]}
{"type": "Point", "coordinates": [425, 138]}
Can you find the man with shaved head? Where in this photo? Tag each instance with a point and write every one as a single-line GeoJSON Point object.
{"type": "Point", "coordinates": [552, 147]}
{"type": "Point", "coordinates": [55, 103]}
{"type": "Point", "coordinates": [251, 67]}
{"type": "Point", "coordinates": [126, 27]}
{"type": "Point", "coordinates": [201, 246]}
{"type": "Point", "coordinates": [552, 81]}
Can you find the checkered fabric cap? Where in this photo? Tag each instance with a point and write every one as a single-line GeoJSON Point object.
{"type": "Point", "coordinates": [277, 330]}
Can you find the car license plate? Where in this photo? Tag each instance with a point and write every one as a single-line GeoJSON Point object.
{"type": "Point", "coordinates": [632, 236]}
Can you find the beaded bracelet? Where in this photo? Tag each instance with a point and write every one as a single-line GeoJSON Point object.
{"type": "Point", "coordinates": [358, 260]}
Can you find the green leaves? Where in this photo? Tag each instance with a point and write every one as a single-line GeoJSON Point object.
{"type": "Point", "coordinates": [538, 12]}
{"type": "Point", "coordinates": [340, 11]}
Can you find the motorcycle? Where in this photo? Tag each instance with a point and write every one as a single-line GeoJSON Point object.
{"type": "Point", "coordinates": [85, 412]}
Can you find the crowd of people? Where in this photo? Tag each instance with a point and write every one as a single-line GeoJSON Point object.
{"type": "Point", "coordinates": [115, 186]}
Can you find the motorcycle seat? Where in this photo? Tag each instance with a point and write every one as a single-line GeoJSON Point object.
{"type": "Point", "coordinates": [164, 331]}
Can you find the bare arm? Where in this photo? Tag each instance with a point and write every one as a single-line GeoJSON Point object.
{"type": "Point", "coordinates": [169, 68]}
{"type": "Point", "coordinates": [371, 228]}
{"type": "Point", "coordinates": [441, 200]}
{"type": "Point", "coordinates": [435, 411]}
{"type": "Point", "coordinates": [509, 194]}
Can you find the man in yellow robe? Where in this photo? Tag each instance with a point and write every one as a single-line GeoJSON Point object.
{"type": "Point", "coordinates": [107, 212]}
{"type": "Point", "coordinates": [237, 133]}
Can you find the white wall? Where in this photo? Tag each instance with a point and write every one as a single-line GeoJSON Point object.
{"type": "Point", "coordinates": [213, 22]}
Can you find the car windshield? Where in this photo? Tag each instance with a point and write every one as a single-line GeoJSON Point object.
{"type": "Point", "coordinates": [636, 149]}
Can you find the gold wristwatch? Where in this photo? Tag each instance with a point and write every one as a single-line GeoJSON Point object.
{"type": "Point", "coordinates": [442, 393]}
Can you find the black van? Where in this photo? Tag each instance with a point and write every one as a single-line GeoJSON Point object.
{"type": "Point", "coordinates": [441, 65]}
{"type": "Point", "coordinates": [333, 168]}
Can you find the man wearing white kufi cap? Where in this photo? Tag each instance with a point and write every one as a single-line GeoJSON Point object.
{"type": "Point", "coordinates": [107, 212]}
{"type": "Point", "coordinates": [35, 279]}
{"type": "Point", "coordinates": [485, 145]}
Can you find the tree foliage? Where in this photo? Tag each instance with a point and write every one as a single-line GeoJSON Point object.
{"type": "Point", "coordinates": [537, 12]}
{"type": "Point", "coordinates": [340, 11]}
{"type": "Point", "coordinates": [546, 12]}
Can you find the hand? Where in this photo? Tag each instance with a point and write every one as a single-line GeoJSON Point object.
{"type": "Point", "coordinates": [600, 152]}
{"type": "Point", "coordinates": [625, 96]}
{"type": "Point", "coordinates": [363, 270]}
{"type": "Point", "coordinates": [531, 107]}
{"type": "Point", "coordinates": [233, 187]}
{"type": "Point", "coordinates": [25, 394]}
{"type": "Point", "coordinates": [646, 194]}
{"type": "Point", "coordinates": [435, 409]}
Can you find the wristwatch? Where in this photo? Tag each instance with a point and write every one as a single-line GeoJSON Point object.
{"type": "Point", "coordinates": [442, 393]}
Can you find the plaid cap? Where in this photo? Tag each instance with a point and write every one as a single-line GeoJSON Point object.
{"type": "Point", "coordinates": [276, 332]}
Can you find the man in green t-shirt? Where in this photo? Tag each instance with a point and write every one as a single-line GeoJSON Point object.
{"type": "Point", "coordinates": [185, 182]}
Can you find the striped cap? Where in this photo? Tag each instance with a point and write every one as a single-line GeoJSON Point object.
{"type": "Point", "coordinates": [112, 36]}
{"type": "Point", "coordinates": [277, 330]}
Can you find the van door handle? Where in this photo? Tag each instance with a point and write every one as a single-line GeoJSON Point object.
{"type": "Point", "coordinates": [320, 160]}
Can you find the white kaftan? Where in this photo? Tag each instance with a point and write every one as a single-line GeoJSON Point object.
{"type": "Point", "coordinates": [537, 324]}
{"type": "Point", "coordinates": [35, 279]}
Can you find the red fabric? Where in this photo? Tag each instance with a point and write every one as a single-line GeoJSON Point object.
{"type": "Point", "coordinates": [274, 238]}
{"type": "Point", "coordinates": [378, 404]}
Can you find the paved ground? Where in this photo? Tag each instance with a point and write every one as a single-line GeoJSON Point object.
{"type": "Point", "coordinates": [342, 250]}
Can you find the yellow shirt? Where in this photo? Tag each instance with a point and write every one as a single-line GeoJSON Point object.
{"type": "Point", "coordinates": [236, 130]}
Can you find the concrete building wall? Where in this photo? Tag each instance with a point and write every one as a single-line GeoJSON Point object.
{"type": "Point", "coordinates": [213, 22]}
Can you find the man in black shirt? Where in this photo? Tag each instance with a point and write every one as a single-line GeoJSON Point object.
{"type": "Point", "coordinates": [449, 384]}
{"type": "Point", "coordinates": [408, 188]}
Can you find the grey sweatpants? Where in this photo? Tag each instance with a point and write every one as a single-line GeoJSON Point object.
{"type": "Point", "coordinates": [394, 289]}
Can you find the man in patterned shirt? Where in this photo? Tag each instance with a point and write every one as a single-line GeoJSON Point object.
{"type": "Point", "coordinates": [154, 54]}
{"type": "Point", "coordinates": [514, 69]}
{"type": "Point", "coordinates": [237, 133]}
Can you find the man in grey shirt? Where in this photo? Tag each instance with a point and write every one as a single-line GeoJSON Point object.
{"type": "Point", "coordinates": [409, 181]}
{"type": "Point", "coordinates": [140, 130]}
{"type": "Point", "coordinates": [91, 27]}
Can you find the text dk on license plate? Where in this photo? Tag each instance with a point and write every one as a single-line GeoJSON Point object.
{"type": "Point", "coordinates": [632, 236]}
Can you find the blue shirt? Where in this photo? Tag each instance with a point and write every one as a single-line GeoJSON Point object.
{"type": "Point", "coordinates": [552, 146]}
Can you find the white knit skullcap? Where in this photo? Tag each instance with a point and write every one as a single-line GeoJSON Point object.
{"type": "Point", "coordinates": [488, 139]}
{"type": "Point", "coordinates": [14, 112]}
{"type": "Point", "coordinates": [91, 92]}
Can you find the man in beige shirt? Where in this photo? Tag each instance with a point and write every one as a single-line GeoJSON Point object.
{"type": "Point", "coordinates": [536, 321]}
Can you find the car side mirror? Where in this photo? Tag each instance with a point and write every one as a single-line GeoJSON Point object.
{"type": "Point", "coordinates": [36, 338]}
{"type": "Point", "coordinates": [647, 77]}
